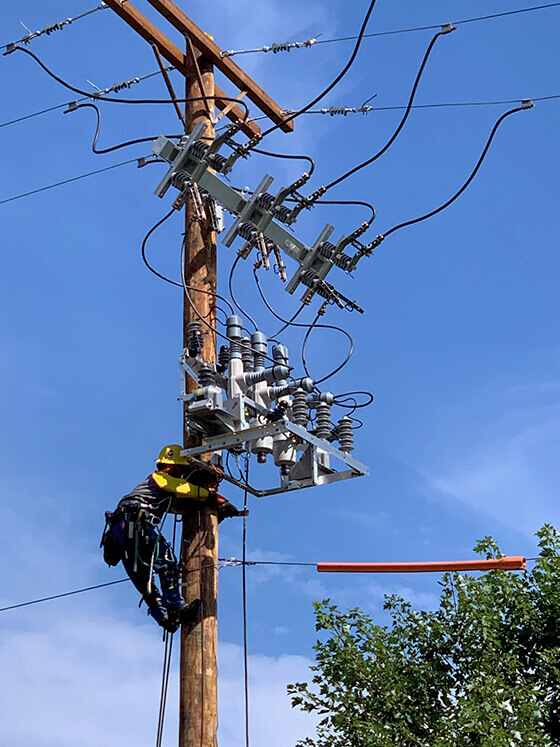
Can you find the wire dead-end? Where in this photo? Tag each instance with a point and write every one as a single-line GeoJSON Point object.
{"type": "Point", "coordinates": [72, 106]}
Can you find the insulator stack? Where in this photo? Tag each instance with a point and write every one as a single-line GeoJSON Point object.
{"type": "Point", "coordinates": [234, 332]}
{"type": "Point", "coordinates": [265, 200]}
{"type": "Point", "coordinates": [300, 408]}
{"type": "Point", "coordinates": [194, 338]}
{"type": "Point", "coordinates": [246, 354]}
{"type": "Point", "coordinates": [206, 376]}
{"type": "Point", "coordinates": [316, 284]}
{"type": "Point", "coordinates": [345, 434]}
{"type": "Point", "coordinates": [217, 162]}
{"type": "Point", "coordinates": [259, 344]}
{"type": "Point", "coordinates": [248, 231]}
{"type": "Point", "coordinates": [329, 251]}
{"type": "Point", "coordinates": [323, 428]}
{"type": "Point", "coordinates": [198, 149]}
{"type": "Point", "coordinates": [282, 212]}
{"type": "Point", "coordinates": [223, 358]}
{"type": "Point", "coordinates": [344, 261]}
{"type": "Point", "coordinates": [180, 179]}
{"type": "Point", "coordinates": [280, 355]}
{"type": "Point", "coordinates": [310, 279]}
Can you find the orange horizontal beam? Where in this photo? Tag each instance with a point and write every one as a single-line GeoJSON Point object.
{"type": "Point", "coordinates": [514, 563]}
{"type": "Point", "coordinates": [175, 57]}
{"type": "Point", "coordinates": [227, 66]}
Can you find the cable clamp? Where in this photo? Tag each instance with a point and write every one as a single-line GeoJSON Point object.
{"type": "Point", "coordinates": [315, 196]}
{"type": "Point", "coordinates": [368, 248]}
{"type": "Point", "coordinates": [527, 104]}
{"type": "Point", "coordinates": [72, 106]}
{"type": "Point", "coordinates": [447, 28]}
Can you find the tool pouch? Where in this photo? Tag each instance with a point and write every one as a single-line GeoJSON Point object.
{"type": "Point", "coordinates": [111, 551]}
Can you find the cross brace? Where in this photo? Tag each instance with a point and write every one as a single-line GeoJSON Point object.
{"type": "Point", "coordinates": [175, 57]}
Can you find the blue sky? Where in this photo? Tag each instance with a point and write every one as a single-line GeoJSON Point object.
{"type": "Point", "coordinates": [459, 342]}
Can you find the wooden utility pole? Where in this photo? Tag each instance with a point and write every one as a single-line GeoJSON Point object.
{"type": "Point", "coordinates": [198, 717]}
{"type": "Point", "coordinates": [198, 712]}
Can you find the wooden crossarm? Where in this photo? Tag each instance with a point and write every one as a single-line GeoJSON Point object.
{"type": "Point", "coordinates": [226, 65]}
{"type": "Point", "coordinates": [175, 57]}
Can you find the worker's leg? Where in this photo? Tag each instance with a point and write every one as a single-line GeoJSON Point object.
{"type": "Point", "coordinates": [167, 568]}
{"type": "Point", "coordinates": [137, 551]}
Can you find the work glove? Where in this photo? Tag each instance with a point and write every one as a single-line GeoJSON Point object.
{"type": "Point", "coordinates": [228, 511]}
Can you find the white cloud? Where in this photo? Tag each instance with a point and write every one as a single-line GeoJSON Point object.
{"type": "Point", "coordinates": [273, 721]}
{"type": "Point", "coordinates": [95, 680]}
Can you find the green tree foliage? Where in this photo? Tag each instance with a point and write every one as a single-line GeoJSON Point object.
{"type": "Point", "coordinates": [483, 670]}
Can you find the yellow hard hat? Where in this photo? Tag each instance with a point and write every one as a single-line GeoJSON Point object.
{"type": "Point", "coordinates": [171, 454]}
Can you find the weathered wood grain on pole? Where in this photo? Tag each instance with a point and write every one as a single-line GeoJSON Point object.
{"type": "Point", "coordinates": [174, 56]}
{"type": "Point", "coordinates": [198, 717]}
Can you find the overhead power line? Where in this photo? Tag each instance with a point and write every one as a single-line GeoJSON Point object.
{"type": "Point", "coordinates": [331, 85]}
{"type": "Point", "coordinates": [72, 179]}
{"type": "Point", "coordinates": [115, 88]}
{"type": "Point", "coordinates": [225, 562]}
{"type": "Point", "coordinates": [447, 104]}
{"type": "Point", "coordinates": [65, 594]}
{"type": "Point", "coordinates": [287, 46]}
{"type": "Point", "coordinates": [51, 28]}
{"type": "Point", "coordinates": [147, 159]}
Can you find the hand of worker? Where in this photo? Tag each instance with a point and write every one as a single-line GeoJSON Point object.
{"type": "Point", "coordinates": [215, 499]}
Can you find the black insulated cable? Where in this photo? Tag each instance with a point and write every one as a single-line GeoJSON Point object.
{"type": "Point", "coordinates": [100, 151]}
{"type": "Point", "coordinates": [145, 240]}
{"type": "Point", "coordinates": [187, 288]}
{"type": "Point", "coordinates": [359, 203]}
{"type": "Point", "coordinates": [168, 280]}
{"type": "Point", "coordinates": [310, 327]}
{"type": "Point", "coordinates": [287, 156]}
{"type": "Point", "coordinates": [102, 97]}
{"type": "Point", "coordinates": [339, 368]}
{"type": "Point", "coordinates": [528, 104]}
{"type": "Point", "coordinates": [329, 88]}
{"type": "Point", "coordinates": [241, 310]}
{"type": "Point", "coordinates": [445, 30]}
{"type": "Point", "coordinates": [340, 399]}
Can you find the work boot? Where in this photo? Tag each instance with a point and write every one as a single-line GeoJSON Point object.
{"type": "Point", "coordinates": [159, 613]}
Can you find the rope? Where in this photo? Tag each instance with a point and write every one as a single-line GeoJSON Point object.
{"type": "Point", "coordinates": [168, 638]}
{"type": "Point", "coordinates": [244, 593]}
